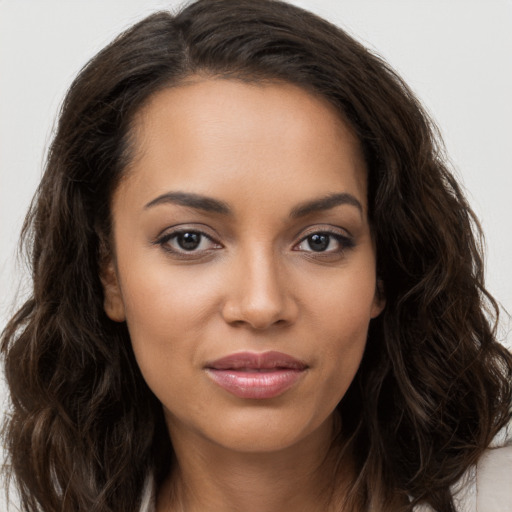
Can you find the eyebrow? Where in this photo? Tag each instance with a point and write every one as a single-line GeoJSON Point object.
{"type": "Point", "coordinates": [190, 200]}
{"type": "Point", "coordinates": [325, 203]}
{"type": "Point", "coordinates": [208, 204]}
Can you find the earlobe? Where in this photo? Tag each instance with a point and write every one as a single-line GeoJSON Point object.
{"type": "Point", "coordinates": [379, 301]}
{"type": "Point", "coordinates": [112, 299]}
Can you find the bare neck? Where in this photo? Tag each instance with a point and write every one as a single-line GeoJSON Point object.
{"type": "Point", "coordinates": [209, 477]}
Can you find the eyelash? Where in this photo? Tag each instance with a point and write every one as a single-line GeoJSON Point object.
{"type": "Point", "coordinates": [344, 243]}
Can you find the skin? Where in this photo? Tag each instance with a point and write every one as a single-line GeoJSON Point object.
{"type": "Point", "coordinates": [253, 284]}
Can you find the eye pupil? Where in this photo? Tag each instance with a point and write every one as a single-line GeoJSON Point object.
{"type": "Point", "coordinates": [318, 242]}
{"type": "Point", "coordinates": [189, 241]}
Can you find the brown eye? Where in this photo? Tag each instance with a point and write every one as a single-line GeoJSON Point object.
{"type": "Point", "coordinates": [325, 242]}
{"type": "Point", "coordinates": [189, 241]}
{"type": "Point", "coordinates": [318, 242]}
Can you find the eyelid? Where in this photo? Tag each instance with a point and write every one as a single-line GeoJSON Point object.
{"type": "Point", "coordinates": [323, 228]}
{"type": "Point", "coordinates": [185, 226]}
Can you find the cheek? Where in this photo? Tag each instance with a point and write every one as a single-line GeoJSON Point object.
{"type": "Point", "coordinates": [342, 347]}
{"type": "Point", "coordinates": [167, 309]}
{"type": "Point", "coordinates": [340, 315]}
{"type": "Point", "coordinates": [164, 299]}
{"type": "Point", "coordinates": [344, 301]}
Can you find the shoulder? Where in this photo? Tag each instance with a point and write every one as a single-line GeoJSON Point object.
{"type": "Point", "coordinates": [493, 480]}
{"type": "Point", "coordinates": [148, 499]}
{"type": "Point", "coordinates": [486, 487]}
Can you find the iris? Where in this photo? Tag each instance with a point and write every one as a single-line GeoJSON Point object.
{"type": "Point", "coordinates": [318, 242]}
{"type": "Point", "coordinates": [188, 241]}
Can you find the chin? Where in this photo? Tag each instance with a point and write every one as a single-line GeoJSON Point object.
{"type": "Point", "coordinates": [261, 430]}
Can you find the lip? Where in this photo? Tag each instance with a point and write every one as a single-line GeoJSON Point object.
{"type": "Point", "coordinates": [256, 375]}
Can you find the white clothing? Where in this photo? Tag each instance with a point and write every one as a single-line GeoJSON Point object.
{"type": "Point", "coordinates": [486, 487]}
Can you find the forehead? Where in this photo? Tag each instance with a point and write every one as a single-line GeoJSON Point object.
{"type": "Point", "coordinates": [212, 135]}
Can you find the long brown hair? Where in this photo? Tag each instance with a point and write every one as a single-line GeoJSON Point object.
{"type": "Point", "coordinates": [434, 386]}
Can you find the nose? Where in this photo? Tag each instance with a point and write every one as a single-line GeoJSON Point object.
{"type": "Point", "coordinates": [258, 293]}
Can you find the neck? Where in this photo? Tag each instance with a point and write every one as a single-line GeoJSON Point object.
{"type": "Point", "coordinates": [210, 477]}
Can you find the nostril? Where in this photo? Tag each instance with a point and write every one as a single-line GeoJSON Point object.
{"type": "Point", "coordinates": [258, 325]}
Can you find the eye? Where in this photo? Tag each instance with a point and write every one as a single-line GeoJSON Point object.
{"type": "Point", "coordinates": [325, 242]}
{"type": "Point", "coordinates": [187, 242]}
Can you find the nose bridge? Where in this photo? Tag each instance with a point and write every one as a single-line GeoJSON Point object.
{"type": "Point", "coordinates": [259, 294]}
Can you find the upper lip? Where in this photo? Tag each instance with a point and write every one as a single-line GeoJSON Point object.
{"type": "Point", "coordinates": [263, 360]}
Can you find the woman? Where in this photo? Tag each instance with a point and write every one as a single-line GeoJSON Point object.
{"type": "Point", "coordinates": [256, 285]}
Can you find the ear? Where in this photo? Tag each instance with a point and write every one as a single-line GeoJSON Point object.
{"type": "Point", "coordinates": [112, 298]}
{"type": "Point", "coordinates": [379, 300]}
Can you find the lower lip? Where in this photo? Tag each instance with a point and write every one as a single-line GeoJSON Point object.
{"type": "Point", "coordinates": [259, 385]}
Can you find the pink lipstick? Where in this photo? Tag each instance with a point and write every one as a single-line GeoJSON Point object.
{"type": "Point", "coordinates": [256, 375]}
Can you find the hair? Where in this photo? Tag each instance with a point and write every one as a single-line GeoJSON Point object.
{"type": "Point", "coordinates": [434, 386]}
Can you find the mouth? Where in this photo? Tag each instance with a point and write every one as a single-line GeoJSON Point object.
{"type": "Point", "coordinates": [256, 375]}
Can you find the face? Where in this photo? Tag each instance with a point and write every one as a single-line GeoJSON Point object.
{"type": "Point", "coordinates": [244, 265]}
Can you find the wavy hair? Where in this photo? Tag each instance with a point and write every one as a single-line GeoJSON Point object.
{"type": "Point", "coordinates": [434, 386]}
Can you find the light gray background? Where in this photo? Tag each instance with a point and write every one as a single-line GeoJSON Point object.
{"type": "Point", "coordinates": [455, 54]}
